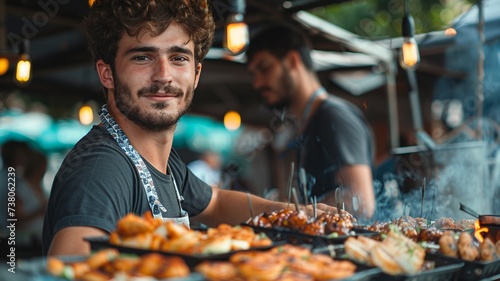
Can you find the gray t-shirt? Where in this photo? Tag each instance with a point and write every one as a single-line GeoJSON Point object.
{"type": "Point", "coordinates": [97, 184]}
{"type": "Point", "coordinates": [337, 135]}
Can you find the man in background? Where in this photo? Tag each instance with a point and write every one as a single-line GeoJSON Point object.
{"type": "Point", "coordinates": [333, 141]}
{"type": "Point", "coordinates": [208, 168]}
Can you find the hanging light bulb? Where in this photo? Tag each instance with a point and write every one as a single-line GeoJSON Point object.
{"type": "Point", "coordinates": [232, 120]}
{"type": "Point", "coordinates": [409, 57]}
{"type": "Point", "coordinates": [4, 65]}
{"type": "Point", "coordinates": [236, 32]}
{"type": "Point", "coordinates": [23, 67]}
{"type": "Point", "coordinates": [86, 115]}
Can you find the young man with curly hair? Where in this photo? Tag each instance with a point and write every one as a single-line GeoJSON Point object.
{"type": "Point", "coordinates": [148, 55]}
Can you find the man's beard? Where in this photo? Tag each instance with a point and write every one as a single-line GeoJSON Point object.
{"type": "Point", "coordinates": [153, 121]}
{"type": "Point", "coordinates": [287, 83]}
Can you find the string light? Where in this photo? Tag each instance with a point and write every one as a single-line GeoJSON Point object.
{"type": "Point", "coordinates": [232, 120]}
{"type": "Point", "coordinates": [86, 115]}
{"type": "Point", "coordinates": [409, 57]}
{"type": "Point", "coordinates": [4, 65]}
{"type": "Point", "coordinates": [236, 32]}
{"type": "Point", "coordinates": [23, 68]}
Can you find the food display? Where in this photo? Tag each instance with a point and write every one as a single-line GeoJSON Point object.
{"type": "Point", "coordinates": [420, 230]}
{"type": "Point", "coordinates": [107, 264]}
{"type": "Point", "coordinates": [408, 226]}
{"type": "Point", "coordinates": [324, 224]}
{"type": "Point", "coordinates": [481, 256]}
{"type": "Point", "coordinates": [148, 233]}
{"type": "Point", "coordinates": [396, 254]}
{"type": "Point", "coordinates": [462, 245]}
{"type": "Point", "coordinates": [142, 247]}
{"type": "Point", "coordinates": [286, 262]}
{"type": "Point", "coordinates": [449, 223]}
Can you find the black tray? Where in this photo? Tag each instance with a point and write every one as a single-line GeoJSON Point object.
{"type": "Point", "coordinates": [102, 242]}
{"type": "Point", "coordinates": [35, 269]}
{"type": "Point", "coordinates": [295, 237]}
{"type": "Point", "coordinates": [477, 270]}
{"type": "Point", "coordinates": [445, 268]}
{"type": "Point", "coordinates": [363, 272]}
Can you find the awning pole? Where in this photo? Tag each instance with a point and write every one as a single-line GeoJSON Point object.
{"type": "Point", "coordinates": [392, 103]}
{"type": "Point", "coordinates": [480, 69]}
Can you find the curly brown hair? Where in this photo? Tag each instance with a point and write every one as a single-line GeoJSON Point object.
{"type": "Point", "coordinates": [109, 19]}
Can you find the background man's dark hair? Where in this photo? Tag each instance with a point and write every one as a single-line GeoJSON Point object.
{"type": "Point", "coordinates": [279, 39]}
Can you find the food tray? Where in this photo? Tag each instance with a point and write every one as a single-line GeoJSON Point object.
{"type": "Point", "coordinates": [477, 270]}
{"type": "Point", "coordinates": [36, 269]}
{"type": "Point", "coordinates": [102, 242]}
{"type": "Point", "coordinates": [363, 272]}
{"type": "Point", "coordinates": [446, 269]}
{"type": "Point", "coordinates": [295, 237]}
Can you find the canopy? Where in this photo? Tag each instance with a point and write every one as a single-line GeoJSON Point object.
{"type": "Point", "coordinates": [196, 133]}
{"type": "Point", "coordinates": [40, 130]}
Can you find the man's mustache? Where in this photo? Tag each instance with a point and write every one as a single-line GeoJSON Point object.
{"type": "Point", "coordinates": [155, 88]}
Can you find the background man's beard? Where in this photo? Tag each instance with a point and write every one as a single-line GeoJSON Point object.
{"type": "Point", "coordinates": [287, 83]}
{"type": "Point", "coordinates": [158, 121]}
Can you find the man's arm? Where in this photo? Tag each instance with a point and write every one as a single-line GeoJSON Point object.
{"type": "Point", "coordinates": [69, 240]}
{"type": "Point", "coordinates": [358, 182]}
{"type": "Point", "coordinates": [229, 206]}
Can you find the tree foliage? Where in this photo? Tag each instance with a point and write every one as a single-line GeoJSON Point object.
{"type": "Point", "coordinates": [378, 19]}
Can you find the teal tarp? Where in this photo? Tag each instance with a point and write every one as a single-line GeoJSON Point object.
{"type": "Point", "coordinates": [196, 133]}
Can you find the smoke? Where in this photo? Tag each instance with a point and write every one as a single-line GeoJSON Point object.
{"type": "Point", "coordinates": [432, 183]}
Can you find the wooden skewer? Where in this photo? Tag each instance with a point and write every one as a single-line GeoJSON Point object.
{"type": "Point", "coordinates": [337, 199]}
{"type": "Point", "coordinates": [295, 198]}
{"type": "Point", "coordinates": [355, 205]}
{"type": "Point", "coordinates": [422, 203]}
{"type": "Point", "coordinates": [315, 207]}
{"type": "Point", "coordinates": [250, 207]}
{"type": "Point", "coordinates": [303, 183]}
{"type": "Point", "coordinates": [290, 181]}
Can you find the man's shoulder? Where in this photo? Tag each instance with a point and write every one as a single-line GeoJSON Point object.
{"type": "Point", "coordinates": [95, 141]}
{"type": "Point", "coordinates": [96, 151]}
{"type": "Point", "coordinates": [97, 135]}
{"type": "Point", "coordinates": [340, 109]}
{"type": "Point", "coordinates": [339, 104]}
